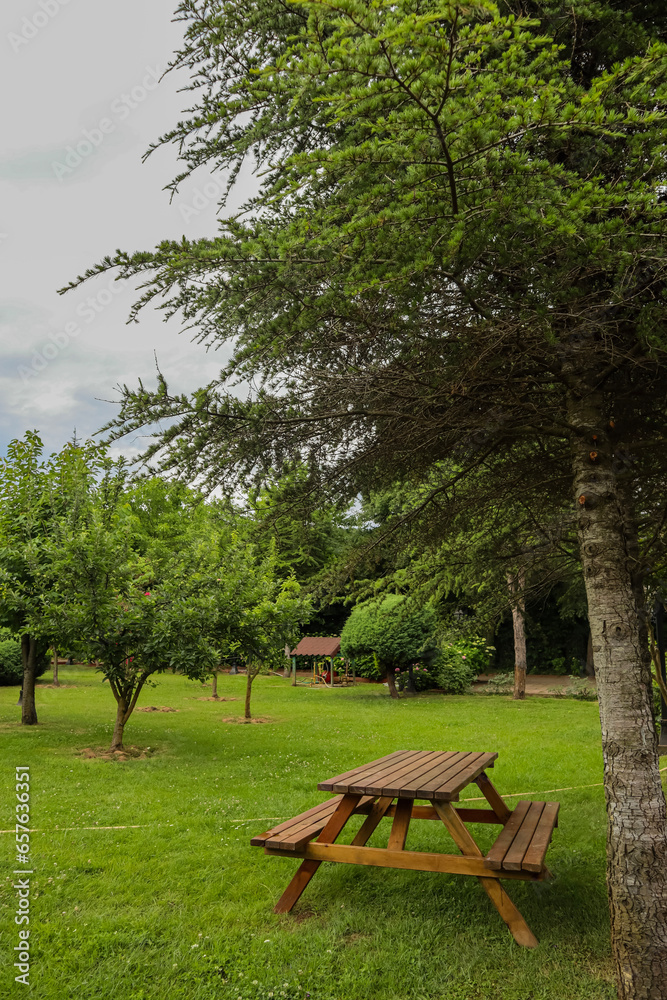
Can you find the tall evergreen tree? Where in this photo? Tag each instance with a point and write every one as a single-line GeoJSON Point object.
{"type": "Point", "coordinates": [458, 251]}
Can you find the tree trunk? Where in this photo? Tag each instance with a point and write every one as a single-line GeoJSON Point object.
{"type": "Point", "coordinates": [590, 662]}
{"type": "Point", "coordinates": [119, 727]}
{"type": "Point", "coordinates": [636, 814]}
{"type": "Point", "coordinates": [391, 682]}
{"type": "Point", "coordinates": [248, 691]}
{"type": "Point", "coordinates": [516, 585]}
{"type": "Point", "coordinates": [410, 688]}
{"type": "Point", "coordinates": [214, 685]}
{"type": "Point", "coordinates": [29, 657]}
{"type": "Point", "coordinates": [56, 682]}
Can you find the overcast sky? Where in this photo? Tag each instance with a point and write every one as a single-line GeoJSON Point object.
{"type": "Point", "coordinates": [80, 105]}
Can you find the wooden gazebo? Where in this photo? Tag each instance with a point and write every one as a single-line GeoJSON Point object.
{"type": "Point", "coordinates": [317, 648]}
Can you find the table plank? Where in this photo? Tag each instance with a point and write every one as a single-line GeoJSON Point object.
{"type": "Point", "coordinates": [413, 774]}
{"type": "Point", "coordinates": [374, 777]}
{"type": "Point", "coordinates": [295, 837]}
{"type": "Point", "coordinates": [456, 783]}
{"type": "Point", "coordinates": [391, 781]}
{"type": "Point", "coordinates": [514, 857]}
{"type": "Point", "coordinates": [494, 858]}
{"type": "Point", "coordinates": [533, 859]}
{"type": "Point", "coordinates": [340, 781]}
{"type": "Point", "coordinates": [322, 808]}
{"type": "Point", "coordinates": [448, 763]}
{"type": "Point", "coordinates": [464, 759]}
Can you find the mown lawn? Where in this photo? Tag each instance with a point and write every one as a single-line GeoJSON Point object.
{"type": "Point", "coordinates": [181, 905]}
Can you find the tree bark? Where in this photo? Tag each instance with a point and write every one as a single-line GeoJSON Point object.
{"type": "Point", "coordinates": [248, 691]}
{"type": "Point", "coordinates": [391, 683]}
{"type": "Point", "coordinates": [516, 584]}
{"type": "Point", "coordinates": [410, 688]}
{"type": "Point", "coordinates": [119, 727]}
{"type": "Point", "coordinates": [29, 657]}
{"type": "Point", "coordinates": [214, 685]}
{"type": "Point", "coordinates": [590, 661]}
{"type": "Point", "coordinates": [126, 699]}
{"type": "Point", "coordinates": [56, 682]}
{"type": "Point", "coordinates": [636, 814]}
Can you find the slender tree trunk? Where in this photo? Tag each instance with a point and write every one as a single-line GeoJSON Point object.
{"type": "Point", "coordinates": [56, 682]}
{"type": "Point", "coordinates": [636, 814]}
{"type": "Point", "coordinates": [248, 691]}
{"type": "Point", "coordinates": [119, 727]}
{"type": "Point", "coordinates": [29, 657]}
{"type": "Point", "coordinates": [410, 688]}
{"type": "Point", "coordinates": [516, 584]}
{"type": "Point", "coordinates": [214, 685]}
{"type": "Point", "coordinates": [391, 683]}
{"type": "Point", "coordinates": [126, 699]}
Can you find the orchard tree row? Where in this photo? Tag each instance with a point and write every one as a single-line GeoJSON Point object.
{"type": "Point", "coordinates": [138, 576]}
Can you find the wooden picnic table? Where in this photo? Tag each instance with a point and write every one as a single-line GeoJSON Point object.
{"type": "Point", "coordinates": [389, 787]}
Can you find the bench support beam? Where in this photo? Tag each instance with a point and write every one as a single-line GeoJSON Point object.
{"type": "Point", "coordinates": [418, 861]}
{"type": "Point", "coordinates": [307, 869]}
{"type": "Point", "coordinates": [519, 929]}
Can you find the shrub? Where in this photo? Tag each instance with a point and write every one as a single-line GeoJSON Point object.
{"type": "Point", "coordinates": [500, 684]}
{"type": "Point", "coordinates": [367, 666]}
{"type": "Point", "coordinates": [424, 677]}
{"type": "Point", "coordinates": [560, 666]}
{"type": "Point", "coordinates": [579, 688]}
{"type": "Point", "coordinates": [454, 674]}
{"type": "Point", "coordinates": [11, 665]}
{"type": "Point", "coordinates": [459, 661]}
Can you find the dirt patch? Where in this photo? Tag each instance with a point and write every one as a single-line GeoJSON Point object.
{"type": "Point", "coordinates": [56, 687]}
{"type": "Point", "coordinates": [241, 721]}
{"type": "Point", "coordinates": [127, 753]}
{"type": "Point", "coordinates": [217, 699]}
{"type": "Point", "coordinates": [353, 938]}
{"type": "Point", "coordinates": [152, 708]}
{"type": "Point", "coordinates": [303, 915]}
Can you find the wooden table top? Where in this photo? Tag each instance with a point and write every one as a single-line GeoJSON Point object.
{"type": "Point", "coordinates": [413, 774]}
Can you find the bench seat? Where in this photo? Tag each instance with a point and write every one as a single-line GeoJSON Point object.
{"type": "Point", "coordinates": [295, 833]}
{"type": "Point", "coordinates": [523, 841]}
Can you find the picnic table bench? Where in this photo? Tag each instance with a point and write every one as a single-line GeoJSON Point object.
{"type": "Point", "coordinates": [389, 787]}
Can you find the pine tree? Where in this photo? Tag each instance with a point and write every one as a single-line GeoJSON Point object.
{"type": "Point", "coordinates": [458, 252]}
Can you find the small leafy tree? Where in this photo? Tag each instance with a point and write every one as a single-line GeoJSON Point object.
{"type": "Point", "coordinates": [34, 494]}
{"type": "Point", "coordinates": [104, 599]}
{"type": "Point", "coordinates": [394, 630]}
{"type": "Point", "coordinates": [271, 613]}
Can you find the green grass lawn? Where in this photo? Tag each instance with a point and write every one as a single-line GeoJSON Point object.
{"type": "Point", "coordinates": [181, 906]}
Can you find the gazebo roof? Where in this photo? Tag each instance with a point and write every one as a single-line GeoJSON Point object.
{"type": "Point", "coordinates": [313, 645]}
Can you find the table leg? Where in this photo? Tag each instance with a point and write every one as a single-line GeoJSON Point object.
{"type": "Point", "coordinates": [367, 828]}
{"type": "Point", "coordinates": [399, 829]}
{"type": "Point", "coordinates": [493, 797]}
{"type": "Point", "coordinates": [520, 930]}
{"type": "Point", "coordinates": [307, 868]}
